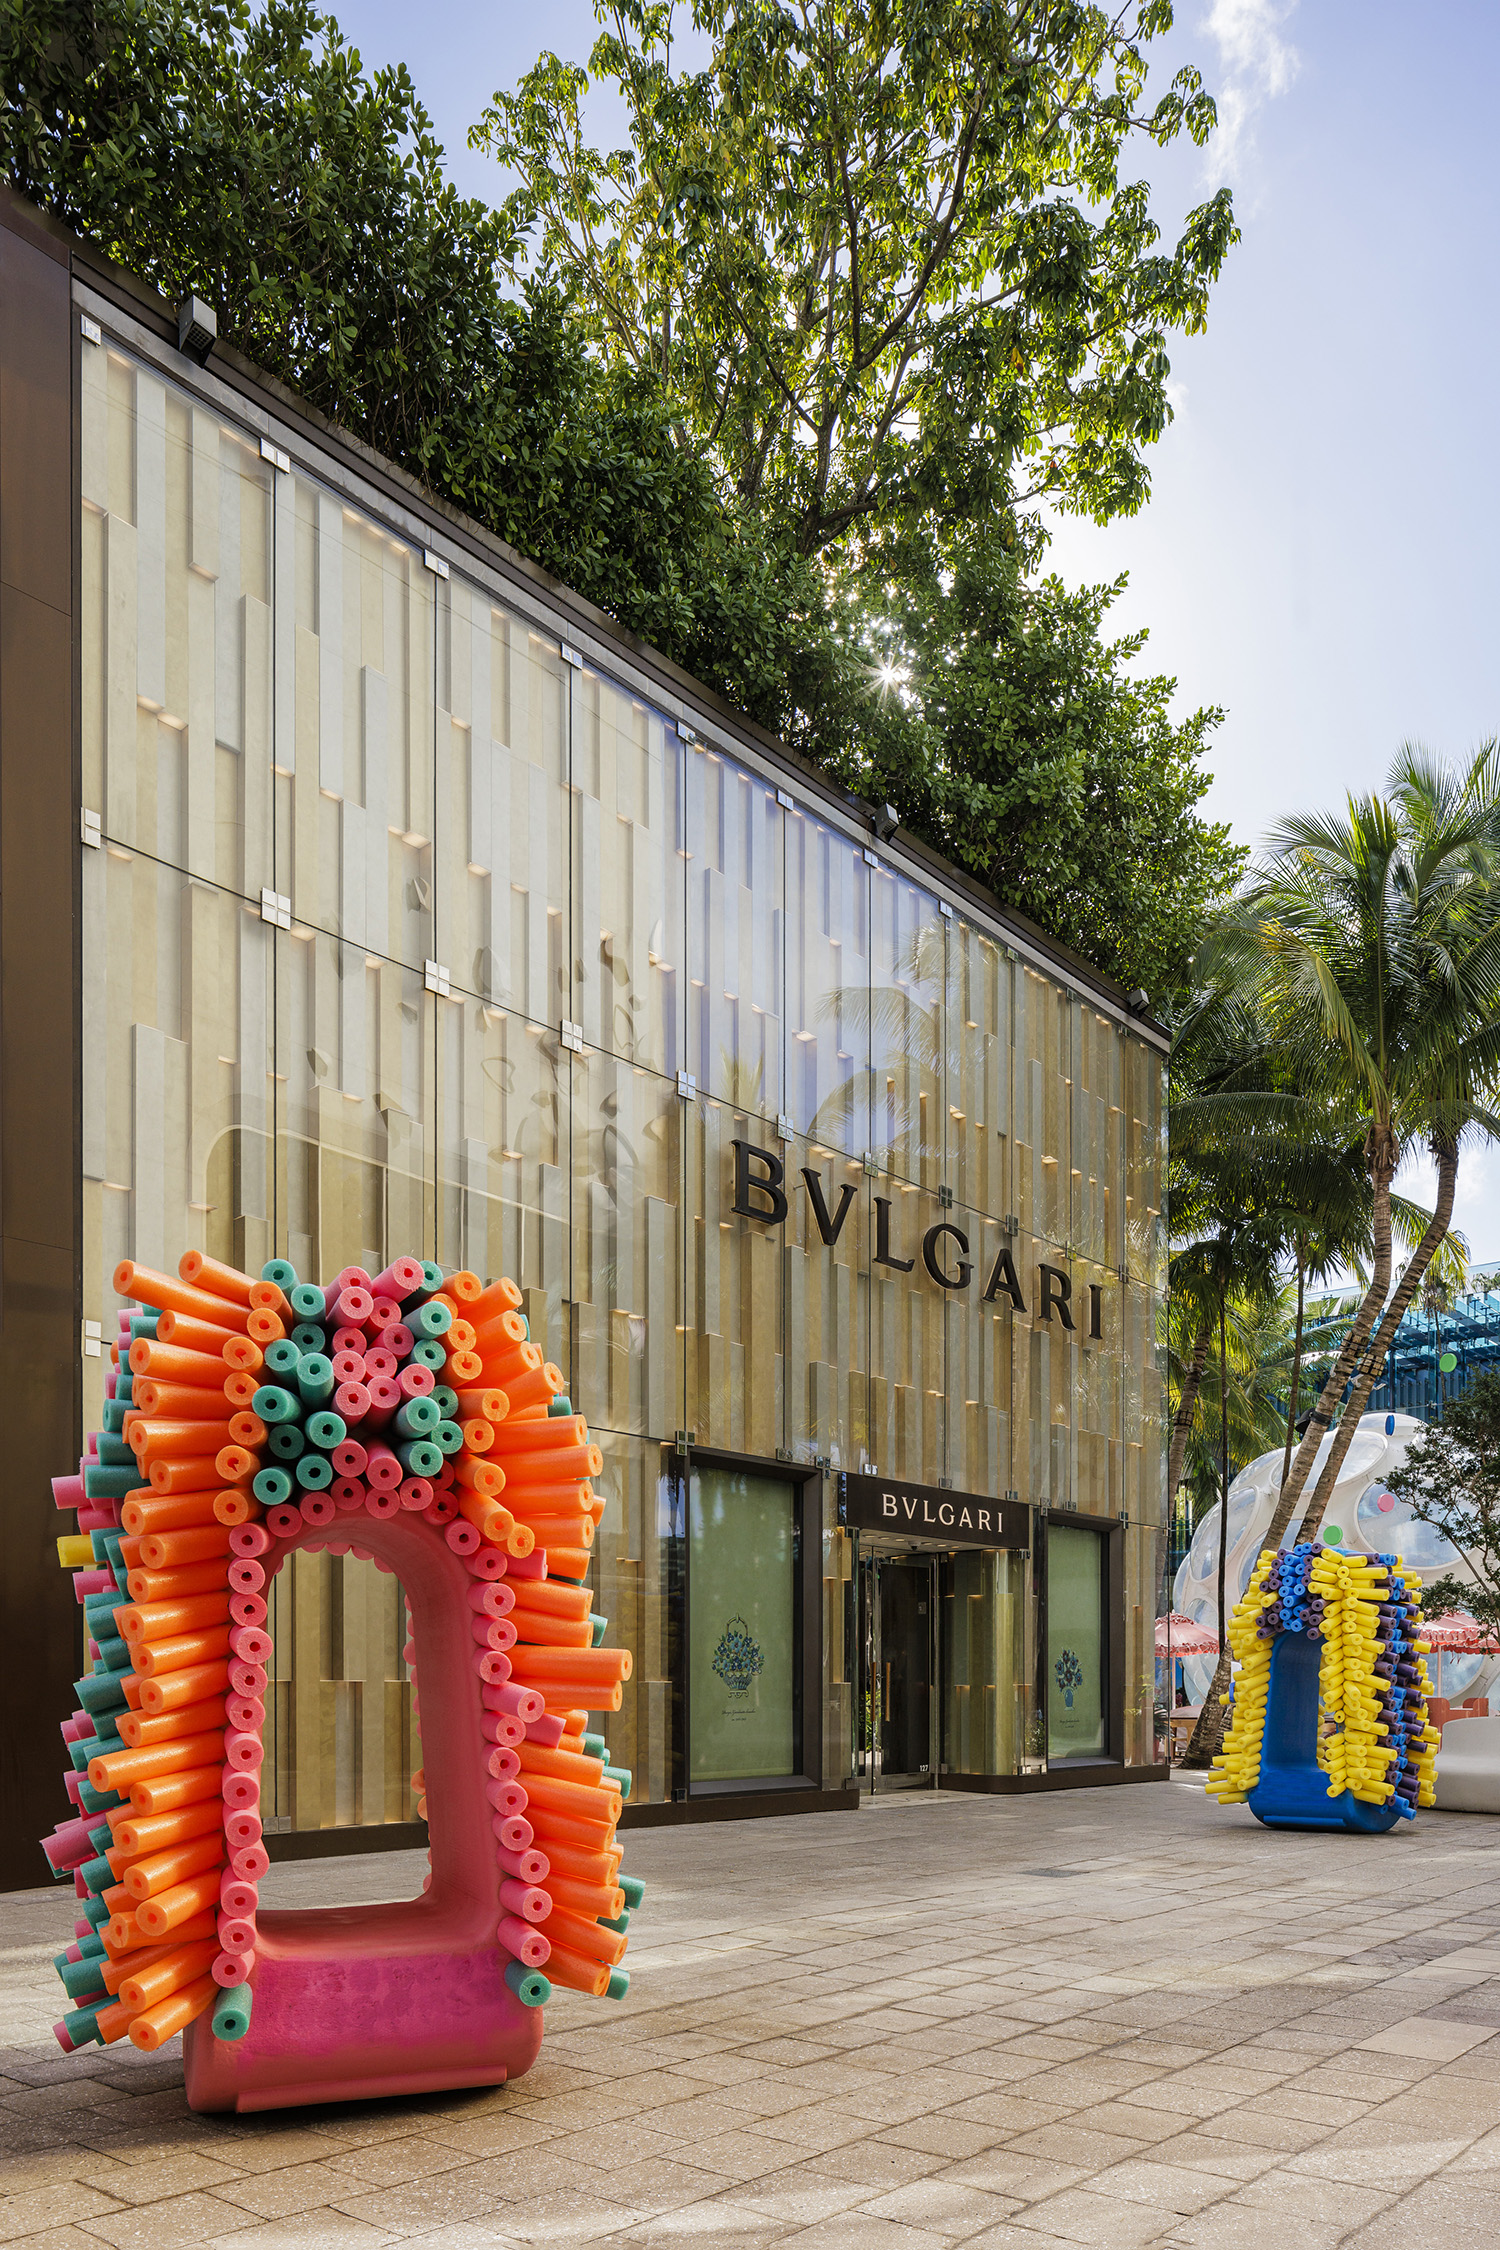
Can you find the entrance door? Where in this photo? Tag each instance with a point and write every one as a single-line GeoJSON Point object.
{"type": "Point", "coordinates": [897, 1616]}
{"type": "Point", "coordinates": [1076, 1644]}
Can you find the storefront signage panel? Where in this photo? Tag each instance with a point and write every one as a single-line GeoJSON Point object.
{"type": "Point", "coordinates": [929, 1511]}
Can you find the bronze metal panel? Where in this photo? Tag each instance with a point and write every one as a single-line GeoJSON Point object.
{"type": "Point", "coordinates": [39, 1030]}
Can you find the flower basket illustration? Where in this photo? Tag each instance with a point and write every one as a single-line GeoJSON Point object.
{"type": "Point", "coordinates": [1069, 1675]}
{"type": "Point", "coordinates": [738, 1656]}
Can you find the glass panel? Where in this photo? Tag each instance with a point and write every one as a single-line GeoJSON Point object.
{"type": "Point", "coordinates": [828, 1306]}
{"type": "Point", "coordinates": [908, 975]}
{"type": "Point", "coordinates": [629, 978]}
{"type": "Point", "coordinates": [1075, 1644]}
{"type": "Point", "coordinates": [742, 1626]}
{"type": "Point", "coordinates": [981, 1353]}
{"type": "Point", "coordinates": [828, 985]}
{"type": "Point", "coordinates": [355, 792]}
{"type": "Point", "coordinates": [503, 1110]}
{"type": "Point", "coordinates": [176, 1031]}
{"type": "Point", "coordinates": [733, 1309]}
{"type": "Point", "coordinates": [980, 1071]}
{"type": "Point", "coordinates": [908, 1313]}
{"type": "Point", "coordinates": [502, 806]}
{"type": "Point", "coordinates": [627, 1352]}
{"type": "Point", "coordinates": [985, 1664]}
{"type": "Point", "coordinates": [735, 864]}
{"type": "Point", "coordinates": [355, 1047]}
{"type": "Point", "coordinates": [176, 560]}
{"type": "Point", "coordinates": [341, 1736]}
{"type": "Point", "coordinates": [630, 1575]}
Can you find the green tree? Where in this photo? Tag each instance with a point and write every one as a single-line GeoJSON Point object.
{"type": "Point", "coordinates": [881, 256]}
{"type": "Point", "coordinates": [1374, 941]}
{"type": "Point", "coordinates": [1451, 1480]}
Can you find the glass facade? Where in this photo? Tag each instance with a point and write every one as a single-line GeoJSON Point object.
{"type": "Point", "coordinates": [411, 931]}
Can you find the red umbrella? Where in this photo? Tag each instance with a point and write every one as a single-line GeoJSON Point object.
{"type": "Point", "coordinates": [1184, 1637]}
{"type": "Point", "coordinates": [1459, 1631]}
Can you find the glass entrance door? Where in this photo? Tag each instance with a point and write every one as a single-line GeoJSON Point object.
{"type": "Point", "coordinates": [897, 1644]}
{"type": "Point", "coordinates": [1076, 1644]}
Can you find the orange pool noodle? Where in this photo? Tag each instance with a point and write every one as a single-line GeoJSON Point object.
{"type": "Point", "coordinates": [181, 1651]}
{"type": "Point", "coordinates": [166, 1909]}
{"type": "Point", "coordinates": [139, 1728]}
{"type": "Point", "coordinates": [202, 1272]}
{"type": "Point", "coordinates": [167, 1511]}
{"type": "Point", "coordinates": [174, 1689]}
{"type": "Point", "coordinates": [117, 1769]}
{"type": "Point", "coordinates": [164, 1550]}
{"type": "Point", "coordinates": [164, 1792]}
{"type": "Point", "coordinates": [131, 1280]}
{"type": "Point", "coordinates": [154, 2026]}
{"type": "Point", "coordinates": [174, 1966]}
{"type": "Point", "coordinates": [571, 1969]}
{"type": "Point", "coordinates": [162, 1871]}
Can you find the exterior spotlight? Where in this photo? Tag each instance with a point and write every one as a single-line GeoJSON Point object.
{"type": "Point", "coordinates": [197, 328]}
{"type": "Point", "coordinates": [1139, 1002]}
{"type": "Point", "coordinates": [885, 822]}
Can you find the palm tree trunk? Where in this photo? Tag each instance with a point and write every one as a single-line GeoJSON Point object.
{"type": "Point", "coordinates": [1382, 1171]}
{"type": "Point", "coordinates": [1406, 1289]}
{"type": "Point", "coordinates": [1296, 1398]}
{"type": "Point", "coordinates": [1187, 1406]}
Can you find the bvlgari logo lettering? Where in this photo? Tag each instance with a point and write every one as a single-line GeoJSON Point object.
{"type": "Point", "coordinates": [760, 1192]}
{"type": "Point", "coordinates": [922, 1511]}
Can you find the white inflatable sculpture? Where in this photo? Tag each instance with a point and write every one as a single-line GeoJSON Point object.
{"type": "Point", "coordinates": [1363, 1518]}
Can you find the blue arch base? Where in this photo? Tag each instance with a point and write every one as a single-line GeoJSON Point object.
{"type": "Point", "coordinates": [1292, 1791]}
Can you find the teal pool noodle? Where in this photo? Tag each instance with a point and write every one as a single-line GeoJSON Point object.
{"type": "Point", "coordinates": [114, 1453]}
{"type": "Point", "coordinates": [101, 1552]}
{"type": "Point", "coordinates": [124, 1387]}
{"type": "Point", "coordinates": [426, 1353]}
{"type": "Point", "coordinates": [315, 1378]}
{"type": "Point", "coordinates": [417, 1417]}
{"type": "Point", "coordinates": [595, 1746]}
{"type": "Point", "coordinates": [306, 1300]}
{"type": "Point", "coordinates": [99, 1609]}
{"type": "Point", "coordinates": [231, 2018]}
{"type": "Point", "coordinates": [619, 1984]}
{"type": "Point", "coordinates": [143, 1324]}
{"type": "Point", "coordinates": [309, 1336]}
{"type": "Point", "coordinates": [282, 1356]}
{"type": "Point", "coordinates": [448, 1438]}
{"type": "Point", "coordinates": [273, 1404]}
{"type": "Point", "coordinates": [530, 1987]}
{"type": "Point", "coordinates": [562, 1404]}
{"type": "Point", "coordinates": [81, 1752]}
{"type": "Point", "coordinates": [103, 1482]}
{"type": "Point", "coordinates": [97, 1874]}
{"type": "Point", "coordinates": [81, 2024]}
{"type": "Point", "coordinates": [314, 1471]}
{"type": "Point", "coordinates": [600, 1626]}
{"type": "Point", "coordinates": [446, 1400]}
{"type": "Point", "coordinates": [272, 1486]}
{"type": "Point", "coordinates": [93, 1944]}
{"type": "Point", "coordinates": [81, 1979]}
{"type": "Point", "coordinates": [432, 1278]}
{"type": "Point", "coordinates": [117, 1562]}
{"type": "Point", "coordinates": [526, 1324]}
{"type": "Point", "coordinates": [94, 1910]}
{"type": "Point", "coordinates": [419, 1457]}
{"type": "Point", "coordinates": [327, 1430]}
{"type": "Point", "coordinates": [634, 1889]}
{"type": "Point", "coordinates": [620, 1776]}
{"type": "Point", "coordinates": [429, 1320]}
{"type": "Point", "coordinates": [287, 1440]}
{"type": "Point", "coordinates": [92, 1800]}
{"type": "Point", "coordinates": [115, 1411]}
{"type": "Point", "coordinates": [281, 1271]}
{"type": "Point", "coordinates": [114, 1654]}
{"type": "Point", "coordinates": [619, 1923]}
{"type": "Point", "coordinates": [99, 1693]}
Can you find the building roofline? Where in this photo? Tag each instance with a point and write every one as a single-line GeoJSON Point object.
{"type": "Point", "coordinates": [112, 286]}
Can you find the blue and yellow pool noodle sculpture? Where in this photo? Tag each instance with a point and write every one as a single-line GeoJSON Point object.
{"type": "Point", "coordinates": [1328, 1724]}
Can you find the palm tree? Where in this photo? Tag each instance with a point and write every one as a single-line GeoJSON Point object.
{"type": "Point", "coordinates": [1374, 940]}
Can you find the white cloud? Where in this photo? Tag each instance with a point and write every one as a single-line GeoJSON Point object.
{"type": "Point", "coordinates": [1257, 66]}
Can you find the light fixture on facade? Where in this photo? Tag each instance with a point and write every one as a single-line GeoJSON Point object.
{"type": "Point", "coordinates": [197, 329]}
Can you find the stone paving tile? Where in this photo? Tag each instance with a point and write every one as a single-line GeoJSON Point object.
{"type": "Point", "coordinates": [1207, 2037]}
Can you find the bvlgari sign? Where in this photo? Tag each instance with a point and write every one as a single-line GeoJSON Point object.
{"type": "Point", "coordinates": [760, 1192]}
{"type": "Point", "coordinates": [926, 1511]}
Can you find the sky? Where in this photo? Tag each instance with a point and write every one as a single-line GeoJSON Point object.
{"type": "Point", "coordinates": [1319, 554]}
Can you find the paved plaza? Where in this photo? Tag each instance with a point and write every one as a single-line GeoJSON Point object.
{"type": "Point", "coordinates": [1116, 2017]}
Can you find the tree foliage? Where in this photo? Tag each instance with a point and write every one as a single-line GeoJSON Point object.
{"type": "Point", "coordinates": [242, 152]}
{"type": "Point", "coordinates": [1451, 1480]}
{"type": "Point", "coordinates": [879, 252]}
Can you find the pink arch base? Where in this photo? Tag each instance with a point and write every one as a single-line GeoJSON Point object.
{"type": "Point", "coordinates": [353, 2002]}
